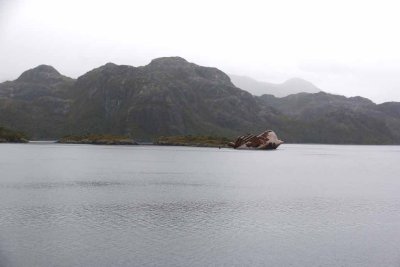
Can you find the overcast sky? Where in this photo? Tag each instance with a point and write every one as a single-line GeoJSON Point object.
{"type": "Point", "coordinates": [344, 47]}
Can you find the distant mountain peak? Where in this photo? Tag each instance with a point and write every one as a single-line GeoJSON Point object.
{"type": "Point", "coordinates": [41, 73]}
{"type": "Point", "coordinates": [300, 84]}
{"type": "Point", "coordinates": [297, 80]}
{"type": "Point", "coordinates": [291, 86]}
{"type": "Point", "coordinates": [168, 62]}
{"type": "Point", "coordinates": [107, 66]}
{"type": "Point", "coordinates": [110, 64]}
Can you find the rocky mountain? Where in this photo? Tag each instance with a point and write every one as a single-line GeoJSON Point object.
{"type": "Point", "coordinates": [327, 118]}
{"type": "Point", "coordinates": [38, 102]}
{"type": "Point", "coordinates": [291, 86]}
{"type": "Point", "coordinates": [171, 96]}
{"type": "Point", "coordinates": [168, 96]}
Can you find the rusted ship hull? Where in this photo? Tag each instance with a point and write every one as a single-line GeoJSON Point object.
{"type": "Point", "coordinates": [267, 140]}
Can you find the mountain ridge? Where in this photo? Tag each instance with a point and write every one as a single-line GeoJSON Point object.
{"type": "Point", "coordinates": [171, 96]}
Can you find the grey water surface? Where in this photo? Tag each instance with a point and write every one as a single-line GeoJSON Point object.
{"type": "Point", "coordinates": [301, 205]}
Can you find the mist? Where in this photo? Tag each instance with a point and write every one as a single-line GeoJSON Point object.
{"type": "Point", "coordinates": [343, 47]}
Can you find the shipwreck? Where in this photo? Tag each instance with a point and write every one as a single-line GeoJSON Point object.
{"type": "Point", "coordinates": [265, 141]}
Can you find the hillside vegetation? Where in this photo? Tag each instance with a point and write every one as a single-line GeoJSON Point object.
{"type": "Point", "coordinates": [9, 136]}
{"type": "Point", "coordinates": [95, 139]}
{"type": "Point", "coordinates": [189, 140]}
{"type": "Point", "coordinates": [173, 97]}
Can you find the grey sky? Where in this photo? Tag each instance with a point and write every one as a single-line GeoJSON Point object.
{"type": "Point", "coordinates": [344, 47]}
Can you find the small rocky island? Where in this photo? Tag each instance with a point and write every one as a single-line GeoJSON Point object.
{"type": "Point", "coordinates": [95, 139]}
{"type": "Point", "coordinates": [190, 140]}
{"type": "Point", "coordinates": [264, 141]}
{"type": "Point", "coordinates": [10, 136]}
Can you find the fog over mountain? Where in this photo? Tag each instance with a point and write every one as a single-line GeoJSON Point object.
{"type": "Point", "coordinates": [344, 47]}
{"type": "Point", "coordinates": [291, 86]}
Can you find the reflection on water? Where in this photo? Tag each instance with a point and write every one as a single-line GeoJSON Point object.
{"type": "Point", "coordinates": [303, 205]}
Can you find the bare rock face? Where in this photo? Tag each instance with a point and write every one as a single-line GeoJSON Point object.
{"type": "Point", "coordinates": [266, 140]}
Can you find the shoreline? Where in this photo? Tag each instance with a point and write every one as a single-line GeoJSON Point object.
{"type": "Point", "coordinates": [168, 144]}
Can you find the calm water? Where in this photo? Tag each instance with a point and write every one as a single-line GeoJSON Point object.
{"type": "Point", "coordinates": [302, 205]}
